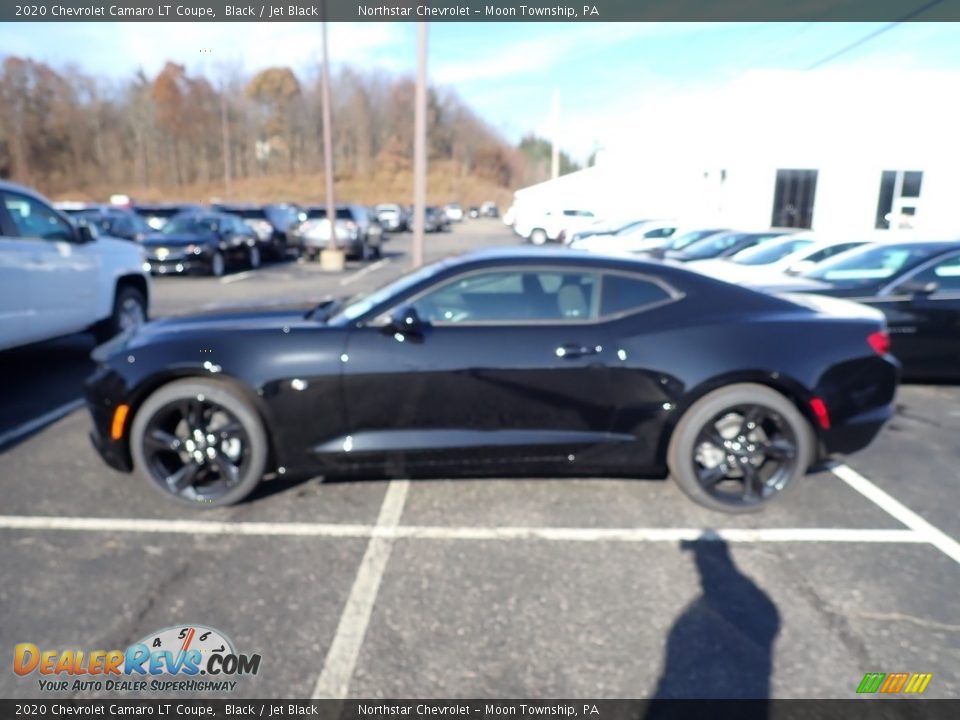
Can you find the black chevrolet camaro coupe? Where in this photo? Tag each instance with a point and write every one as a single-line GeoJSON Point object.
{"type": "Point", "coordinates": [502, 362]}
{"type": "Point", "coordinates": [915, 284]}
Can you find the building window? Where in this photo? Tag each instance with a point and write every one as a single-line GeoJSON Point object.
{"type": "Point", "coordinates": [793, 198]}
{"type": "Point", "coordinates": [898, 198]}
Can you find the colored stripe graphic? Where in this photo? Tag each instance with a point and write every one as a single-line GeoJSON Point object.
{"type": "Point", "coordinates": [894, 682]}
{"type": "Point", "coordinates": [871, 682]}
{"type": "Point", "coordinates": [918, 683]}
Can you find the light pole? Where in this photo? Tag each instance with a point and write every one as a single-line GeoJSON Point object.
{"type": "Point", "coordinates": [420, 147]}
{"type": "Point", "coordinates": [331, 257]}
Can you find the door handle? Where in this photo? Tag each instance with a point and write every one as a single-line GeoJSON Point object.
{"type": "Point", "coordinates": [575, 350]}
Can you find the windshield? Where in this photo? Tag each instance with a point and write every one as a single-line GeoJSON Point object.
{"type": "Point", "coordinates": [770, 252]}
{"type": "Point", "coordinates": [321, 212]}
{"type": "Point", "coordinates": [871, 263]}
{"type": "Point", "coordinates": [689, 238]}
{"type": "Point", "coordinates": [361, 304]}
{"type": "Point", "coordinates": [190, 225]}
{"type": "Point", "coordinates": [625, 229]}
{"type": "Point", "coordinates": [712, 247]}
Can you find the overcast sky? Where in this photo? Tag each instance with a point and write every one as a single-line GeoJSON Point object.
{"type": "Point", "coordinates": [605, 73]}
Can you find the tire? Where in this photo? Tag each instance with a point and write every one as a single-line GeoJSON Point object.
{"type": "Point", "coordinates": [253, 257]}
{"type": "Point", "coordinates": [218, 266]}
{"type": "Point", "coordinates": [778, 429]}
{"type": "Point", "coordinates": [538, 236]}
{"type": "Point", "coordinates": [213, 487]}
{"type": "Point", "coordinates": [129, 310]}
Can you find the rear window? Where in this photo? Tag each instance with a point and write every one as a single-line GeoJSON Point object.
{"type": "Point", "coordinates": [622, 293]}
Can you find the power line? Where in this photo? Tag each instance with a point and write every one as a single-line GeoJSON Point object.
{"type": "Point", "coordinates": [875, 33]}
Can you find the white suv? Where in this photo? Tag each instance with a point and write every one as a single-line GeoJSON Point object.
{"type": "Point", "coordinates": [57, 278]}
{"type": "Point", "coordinates": [551, 225]}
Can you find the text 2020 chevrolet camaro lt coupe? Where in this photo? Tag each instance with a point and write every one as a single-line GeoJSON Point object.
{"type": "Point", "coordinates": [502, 362]}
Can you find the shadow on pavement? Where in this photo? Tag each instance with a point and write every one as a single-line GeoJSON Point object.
{"type": "Point", "coordinates": [721, 645]}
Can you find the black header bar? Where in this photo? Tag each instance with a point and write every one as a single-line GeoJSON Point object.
{"type": "Point", "coordinates": [478, 10]}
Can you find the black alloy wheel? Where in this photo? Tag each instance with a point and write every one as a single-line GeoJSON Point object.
{"type": "Point", "coordinates": [200, 443]}
{"type": "Point", "coordinates": [739, 447]}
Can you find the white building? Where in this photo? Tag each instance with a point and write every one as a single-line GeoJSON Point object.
{"type": "Point", "coordinates": [833, 151]}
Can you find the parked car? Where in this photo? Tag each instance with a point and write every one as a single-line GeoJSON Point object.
{"type": "Point", "coordinates": [916, 284]}
{"type": "Point", "coordinates": [723, 245]}
{"type": "Point", "coordinates": [158, 214]}
{"type": "Point", "coordinates": [681, 239]}
{"type": "Point", "coordinates": [605, 227]}
{"type": "Point", "coordinates": [635, 237]}
{"type": "Point", "coordinates": [392, 217]}
{"type": "Point", "coordinates": [454, 212]}
{"type": "Point", "coordinates": [58, 277]}
{"type": "Point", "coordinates": [436, 219]}
{"type": "Point", "coordinates": [203, 242]}
{"type": "Point", "coordinates": [116, 222]}
{"type": "Point", "coordinates": [547, 226]}
{"type": "Point", "coordinates": [489, 209]}
{"type": "Point", "coordinates": [352, 232]}
{"type": "Point", "coordinates": [769, 261]}
{"type": "Point", "coordinates": [474, 212]}
{"type": "Point", "coordinates": [271, 223]}
{"type": "Point", "coordinates": [616, 367]}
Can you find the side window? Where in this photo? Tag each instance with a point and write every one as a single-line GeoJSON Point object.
{"type": "Point", "coordinates": [33, 219]}
{"type": "Point", "coordinates": [622, 293]}
{"type": "Point", "coordinates": [659, 232]}
{"type": "Point", "coordinates": [513, 296]}
{"type": "Point", "coordinates": [830, 251]}
{"type": "Point", "coordinates": [945, 274]}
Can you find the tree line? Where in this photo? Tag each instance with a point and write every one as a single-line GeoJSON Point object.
{"type": "Point", "coordinates": [64, 129]}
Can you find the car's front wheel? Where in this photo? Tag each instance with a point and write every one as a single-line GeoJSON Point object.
{"type": "Point", "coordinates": [739, 447]}
{"type": "Point", "coordinates": [538, 236]}
{"type": "Point", "coordinates": [129, 312]}
{"type": "Point", "coordinates": [253, 258]}
{"type": "Point", "coordinates": [218, 266]}
{"type": "Point", "coordinates": [200, 443]}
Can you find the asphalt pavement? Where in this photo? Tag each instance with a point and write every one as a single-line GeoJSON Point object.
{"type": "Point", "coordinates": [490, 588]}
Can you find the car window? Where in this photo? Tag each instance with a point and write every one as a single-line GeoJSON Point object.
{"type": "Point", "coordinates": [512, 296]}
{"type": "Point", "coordinates": [659, 232]}
{"type": "Point", "coordinates": [873, 262]}
{"type": "Point", "coordinates": [945, 274]}
{"type": "Point", "coordinates": [830, 251]}
{"type": "Point", "coordinates": [621, 293]}
{"type": "Point", "coordinates": [33, 219]}
{"type": "Point", "coordinates": [770, 252]}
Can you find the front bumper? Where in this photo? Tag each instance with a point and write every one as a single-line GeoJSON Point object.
{"type": "Point", "coordinates": [103, 391]}
{"type": "Point", "coordinates": [177, 266]}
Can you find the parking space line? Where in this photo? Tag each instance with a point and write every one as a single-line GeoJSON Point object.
{"type": "Point", "coordinates": [334, 680]}
{"type": "Point", "coordinates": [933, 535]}
{"type": "Point", "coordinates": [40, 422]}
{"type": "Point", "coordinates": [364, 271]}
{"type": "Point", "coordinates": [387, 529]}
{"type": "Point", "coordinates": [235, 278]}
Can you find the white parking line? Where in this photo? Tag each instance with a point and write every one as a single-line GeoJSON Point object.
{"type": "Point", "coordinates": [931, 534]}
{"type": "Point", "coordinates": [391, 531]}
{"type": "Point", "coordinates": [39, 422]}
{"type": "Point", "coordinates": [235, 278]}
{"type": "Point", "coordinates": [364, 271]}
{"type": "Point", "coordinates": [334, 680]}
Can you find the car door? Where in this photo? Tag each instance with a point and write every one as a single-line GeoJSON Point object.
{"type": "Point", "coordinates": [506, 365]}
{"type": "Point", "coordinates": [14, 255]}
{"type": "Point", "coordinates": [60, 275]}
{"type": "Point", "coordinates": [923, 314]}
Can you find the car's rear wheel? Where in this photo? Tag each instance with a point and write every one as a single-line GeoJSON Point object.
{"type": "Point", "coordinates": [739, 447]}
{"type": "Point", "coordinates": [129, 311]}
{"type": "Point", "coordinates": [538, 236]}
{"type": "Point", "coordinates": [199, 443]}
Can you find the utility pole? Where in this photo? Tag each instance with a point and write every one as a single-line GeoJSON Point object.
{"type": "Point", "coordinates": [225, 131]}
{"type": "Point", "coordinates": [331, 258]}
{"type": "Point", "coordinates": [555, 155]}
{"type": "Point", "coordinates": [420, 147]}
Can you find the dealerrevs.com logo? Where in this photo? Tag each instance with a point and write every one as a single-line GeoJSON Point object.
{"type": "Point", "coordinates": [186, 658]}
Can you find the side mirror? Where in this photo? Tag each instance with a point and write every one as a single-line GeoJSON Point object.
{"type": "Point", "coordinates": [86, 233]}
{"type": "Point", "coordinates": [917, 288]}
{"type": "Point", "coordinates": [404, 320]}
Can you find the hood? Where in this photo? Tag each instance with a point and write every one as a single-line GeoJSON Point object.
{"type": "Point", "coordinates": [120, 248]}
{"type": "Point", "coordinates": [161, 240]}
